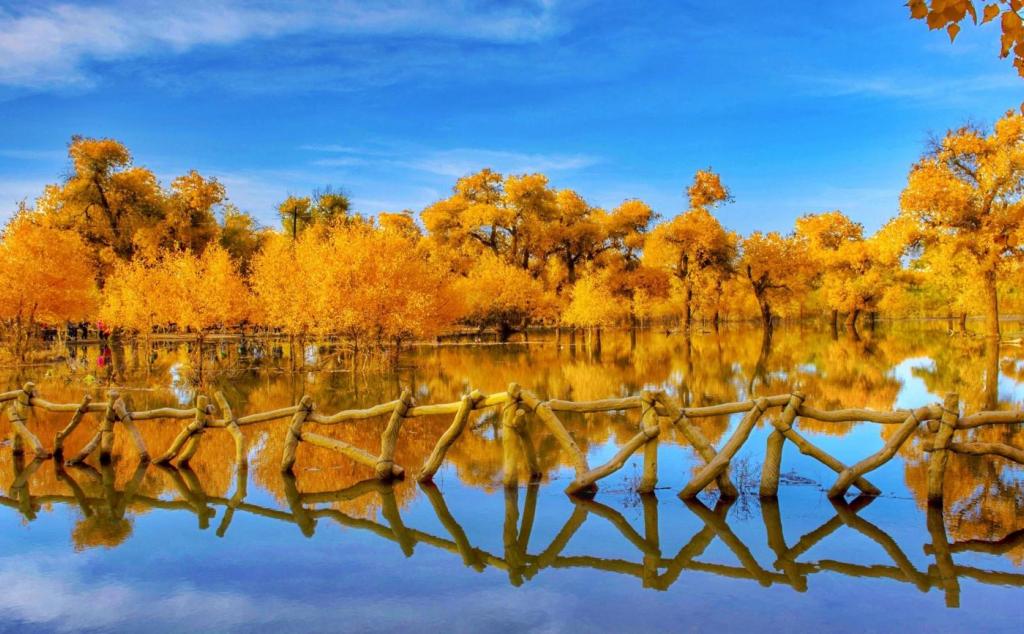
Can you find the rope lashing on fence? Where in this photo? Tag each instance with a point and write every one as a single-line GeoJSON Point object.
{"type": "Point", "coordinates": [656, 412]}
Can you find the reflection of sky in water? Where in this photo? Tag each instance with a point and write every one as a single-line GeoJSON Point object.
{"type": "Point", "coordinates": [264, 575]}
{"type": "Point", "coordinates": [913, 391]}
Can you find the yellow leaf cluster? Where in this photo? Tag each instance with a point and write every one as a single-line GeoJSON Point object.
{"type": "Point", "coordinates": [949, 14]}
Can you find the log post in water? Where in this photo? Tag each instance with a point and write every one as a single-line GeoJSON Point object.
{"type": "Point", "coordinates": [294, 433]}
{"type": "Point", "coordinates": [107, 427]}
{"type": "Point", "coordinates": [17, 413]}
{"type": "Point", "coordinates": [125, 418]}
{"type": "Point", "coordinates": [773, 451]}
{"type": "Point", "coordinates": [721, 461]}
{"type": "Point", "coordinates": [194, 427]}
{"type": "Point", "coordinates": [651, 428]}
{"type": "Point", "coordinates": [699, 443]}
{"type": "Point", "coordinates": [389, 437]}
{"type": "Point", "coordinates": [808, 448]}
{"type": "Point", "coordinates": [903, 433]}
{"type": "Point", "coordinates": [76, 419]}
{"type": "Point", "coordinates": [554, 425]}
{"type": "Point", "coordinates": [241, 454]}
{"type": "Point", "coordinates": [511, 415]}
{"type": "Point", "coordinates": [940, 447]}
{"type": "Point", "coordinates": [433, 463]}
{"type": "Point", "coordinates": [203, 411]}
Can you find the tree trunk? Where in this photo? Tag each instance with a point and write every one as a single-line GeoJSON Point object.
{"type": "Point", "coordinates": [963, 323]}
{"type": "Point", "coordinates": [991, 305]}
{"type": "Point", "coordinates": [991, 382]}
{"type": "Point", "coordinates": [688, 306]}
{"type": "Point", "coordinates": [835, 323]}
{"type": "Point", "coordinates": [766, 315]}
{"type": "Point", "coordinates": [851, 318]}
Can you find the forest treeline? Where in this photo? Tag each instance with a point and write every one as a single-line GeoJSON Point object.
{"type": "Point", "coordinates": [111, 244]}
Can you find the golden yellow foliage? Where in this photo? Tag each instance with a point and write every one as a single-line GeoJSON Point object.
{"type": "Point", "coordinates": [46, 277]}
{"type": "Point", "coordinates": [497, 294]}
{"type": "Point", "coordinates": [966, 192]}
{"type": "Point", "coordinates": [948, 14]}
{"type": "Point", "coordinates": [181, 289]}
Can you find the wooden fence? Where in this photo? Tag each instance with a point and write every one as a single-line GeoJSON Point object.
{"type": "Point", "coordinates": [656, 411]}
{"type": "Point", "coordinates": [656, 569]}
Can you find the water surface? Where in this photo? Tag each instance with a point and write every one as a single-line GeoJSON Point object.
{"type": "Point", "coordinates": [123, 546]}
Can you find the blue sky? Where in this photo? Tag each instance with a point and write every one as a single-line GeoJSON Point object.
{"type": "Point", "coordinates": [812, 106]}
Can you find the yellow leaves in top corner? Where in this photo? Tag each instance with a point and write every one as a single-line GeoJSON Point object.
{"type": "Point", "coordinates": [949, 14]}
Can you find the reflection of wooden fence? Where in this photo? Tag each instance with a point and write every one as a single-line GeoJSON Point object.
{"type": "Point", "coordinates": [941, 421]}
{"type": "Point", "coordinates": [655, 570]}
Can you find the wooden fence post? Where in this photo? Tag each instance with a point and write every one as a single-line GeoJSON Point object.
{"type": "Point", "coordinates": [721, 461]}
{"type": "Point", "coordinates": [18, 413]}
{"type": "Point", "coordinates": [450, 435]}
{"type": "Point", "coordinates": [699, 443]}
{"type": "Point", "coordinates": [650, 427]}
{"type": "Point", "coordinates": [241, 455]}
{"type": "Point", "coordinates": [76, 418]}
{"type": "Point", "coordinates": [196, 426]}
{"type": "Point", "coordinates": [107, 427]}
{"type": "Point", "coordinates": [125, 418]}
{"type": "Point", "coordinates": [294, 433]}
{"type": "Point", "coordinates": [904, 432]}
{"type": "Point", "coordinates": [940, 447]}
{"type": "Point", "coordinates": [510, 416]}
{"type": "Point", "coordinates": [554, 425]}
{"type": "Point", "coordinates": [773, 451]}
{"type": "Point", "coordinates": [203, 411]}
{"type": "Point", "coordinates": [389, 437]}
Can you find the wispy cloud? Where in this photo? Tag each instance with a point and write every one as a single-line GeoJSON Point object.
{"type": "Point", "coordinates": [902, 87]}
{"type": "Point", "coordinates": [462, 161]}
{"type": "Point", "coordinates": [77, 600]}
{"type": "Point", "coordinates": [453, 163]}
{"type": "Point", "coordinates": [33, 155]}
{"type": "Point", "coordinates": [14, 191]}
{"type": "Point", "coordinates": [54, 44]}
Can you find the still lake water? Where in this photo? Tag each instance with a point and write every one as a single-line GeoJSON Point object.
{"type": "Point", "coordinates": [213, 548]}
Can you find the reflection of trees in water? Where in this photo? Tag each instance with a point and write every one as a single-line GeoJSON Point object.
{"type": "Point", "coordinates": [701, 369]}
{"type": "Point", "coordinates": [107, 509]}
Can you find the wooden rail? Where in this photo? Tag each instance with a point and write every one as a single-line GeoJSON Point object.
{"type": "Point", "coordinates": [655, 570]}
{"type": "Point", "coordinates": [656, 411]}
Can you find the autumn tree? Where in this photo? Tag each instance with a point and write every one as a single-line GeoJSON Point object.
{"type": "Point", "coordinates": [502, 296]}
{"type": "Point", "coordinates": [777, 267]}
{"type": "Point", "coordinates": [378, 287]}
{"type": "Point", "coordinates": [105, 198]}
{"type": "Point", "coordinates": [375, 286]}
{"type": "Point", "coordinates": [828, 237]}
{"type": "Point", "coordinates": [240, 235]}
{"type": "Point", "coordinates": [595, 303]}
{"type": "Point", "coordinates": [949, 14]}
{"type": "Point", "coordinates": [508, 216]}
{"type": "Point", "coordinates": [296, 214]}
{"type": "Point", "coordinates": [694, 247]}
{"type": "Point", "coordinates": [136, 295]}
{"type": "Point", "coordinates": [34, 289]}
{"type": "Point", "coordinates": [967, 192]}
{"type": "Point", "coordinates": [189, 291]}
{"type": "Point", "coordinates": [577, 233]}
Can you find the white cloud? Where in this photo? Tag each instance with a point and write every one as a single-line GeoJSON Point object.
{"type": "Point", "coordinates": [52, 44]}
{"type": "Point", "coordinates": [452, 163]}
{"type": "Point", "coordinates": [13, 191]}
{"type": "Point", "coordinates": [459, 162]}
{"type": "Point", "coordinates": [59, 593]}
{"type": "Point", "coordinates": [943, 89]}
